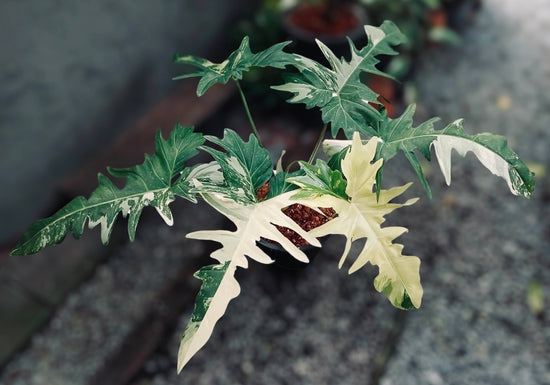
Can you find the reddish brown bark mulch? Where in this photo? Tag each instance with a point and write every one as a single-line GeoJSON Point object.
{"type": "Point", "coordinates": [307, 218]}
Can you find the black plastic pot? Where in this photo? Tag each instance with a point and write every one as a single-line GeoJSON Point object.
{"type": "Point", "coordinates": [283, 259]}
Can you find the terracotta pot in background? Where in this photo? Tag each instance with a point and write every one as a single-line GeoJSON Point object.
{"type": "Point", "coordinates": [438, 18]}
{"type": "Point", "coordinates": [386, 88]}
{"type": "Point", "coordinates": [308, 22]}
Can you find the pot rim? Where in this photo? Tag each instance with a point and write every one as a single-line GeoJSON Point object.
{"type": "Point", "coordinates": [327, 38]}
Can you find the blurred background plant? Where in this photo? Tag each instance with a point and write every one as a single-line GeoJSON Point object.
{"type": "Point", "coordinates": [424, 22]}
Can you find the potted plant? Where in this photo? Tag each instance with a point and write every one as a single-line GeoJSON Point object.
{"type": "Point", "coordinates": [242, 184]}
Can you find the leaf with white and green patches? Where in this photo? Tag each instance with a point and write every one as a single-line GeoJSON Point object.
{"type": "Point", "coordinates": [240, 61]}
{"type": "Point", "coordinates": [246, 166]}
{"type": "Point", "coordinates": [184, 186]}
{"type": "Point", "coordinates": [148, 184]}
{"type": "Point", "coordinates": [399, 134]}
{"type": "Point", "coordinates": [361, 216]}
{"type": "Point", "coordinates": [344, 100]}
{"type": "Point", "coordinates": [253, 222]}
{"type": "Point", "coordinates": [319, 179]}
{"type": "Point", "coordinates": [491, 150]}
{"type": "Point", "coordinates": [218, 288]}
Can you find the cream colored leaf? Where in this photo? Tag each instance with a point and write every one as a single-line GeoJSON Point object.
{"type": "Point", "coordinates": [361, 217]}
{"type": "Point", "coordinates": [253, 221]}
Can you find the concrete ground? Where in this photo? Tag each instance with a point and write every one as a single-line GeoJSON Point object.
{"type": "Point", "coordinates": [485, 264]}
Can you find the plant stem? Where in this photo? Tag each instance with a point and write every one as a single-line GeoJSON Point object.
{"type": "Point", "coordinates": [287, 170]}
{"type": "Point", "coordinates": [243, 98]}
{"type": "Point", "coordinates": [318, 144]}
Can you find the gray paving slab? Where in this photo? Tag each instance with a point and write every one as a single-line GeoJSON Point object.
{"type": "Point", "coordinates": [20, 315]}
{"type": "Point", "coordinates": [33, 286]}
{"type": "Point", "coordinates": [96, 318]}
{"type": "Point", "coordinates": [476, 325]}
{"type": "Point", "coordinates": [308, 327]}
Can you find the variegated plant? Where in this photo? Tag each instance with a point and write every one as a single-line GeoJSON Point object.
{"type": "Point", "coordinates": [349, 181]}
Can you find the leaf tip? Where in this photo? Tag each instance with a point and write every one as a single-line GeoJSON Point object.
{"type": "Point", "coordinates": [16, 251]}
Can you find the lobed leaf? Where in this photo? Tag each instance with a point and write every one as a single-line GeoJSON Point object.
{"type": "Point", "coordinates": [246, 166]}
{"type": "Point", "coordinates": [253, 221]}
{"type": "Point", "coordinates": [238, 62]}
{"type": "Point", "coordinates": [148, 184]}
{"type": "Point", "coordinates": [344, 100]}
{"type": "Point", "coordinates": [279, 183]}
{"type": "Point", "coordinates": [319, 179]}
{"type": "Point", "coordinates": [218, 288]}
{"type": "Point", "coordinates": [399, 134]}
{"type": "Point", "coordinates": [491, 150]}
{"type": "Point", "coordinates": [361, 216]}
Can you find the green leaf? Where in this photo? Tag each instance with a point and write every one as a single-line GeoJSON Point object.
{"type": "Point", "coordinates": [246, 166]}
{"type": "Point", "coordinates": [399, 134]}
{"type": "Point", "coordinates": [338, 91]}
{"type": "Point", "coordinates": [253, 222]}
{"type": "Point", "coordinates": [240, 61]}
{"type": "Point", "coordinates": [279, 184]}
{"type": "Point", "coordinates": [361, 216]}
{"type": "Point", "coordinates": [491, 150]}
{"type": "Point", "coordinates": [444, 35]}
{"type": "Point", "coordinates": [319, 179]}
{"type": "Point", "coordinates": [149, 184]}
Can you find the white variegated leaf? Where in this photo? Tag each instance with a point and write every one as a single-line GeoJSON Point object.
{"type": "Point", "coordinates": [338, 91]}
{"type": "Point", "coordinates": [219, 287]}
{"type": "Point", "coordinates": [148, 184]}
{"type": "Point", "coordinates": [361, 216]}
{"type": "Point", "coordinates": [492, 150]}
{"type": "Point", "coordinates": [253, 222]}
{"type": "Point", "coordinates": [493, 161]}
